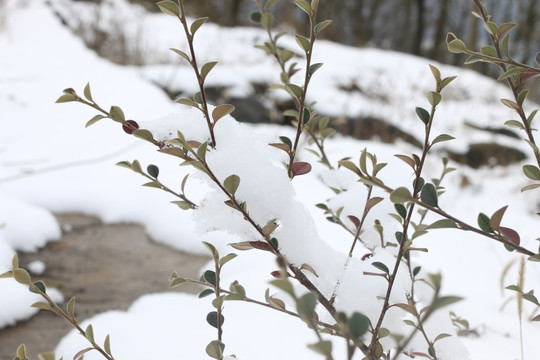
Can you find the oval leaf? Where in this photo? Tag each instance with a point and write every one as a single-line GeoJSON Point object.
{"type": "Point", "coordinates": [221, 111]}
{"type": "Point", "coordinates": [231, 184]}
{"type": "Point", "coordinates": [400, 195]}
{"type": "Point", "coordinates": [429, 195]}
{"type": "Point", "coordinates": [300, 168]}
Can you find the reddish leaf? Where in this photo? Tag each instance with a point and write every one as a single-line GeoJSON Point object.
{"type": "Point", "coordinates": [525, 76]}
{"type": "Point", "coordinates": [511, 234]}
{"type": "Point", "coordinates": [366, 256]}
{"type": "Point", "coordinates": [276, 274]}
{"type": "Point", "coordinates": [300, 168]}
{"type": "Point", "coordinates": [130, 126]}
{"type": "Point", "coordinates": [261, 245]}
{"type": "Point", "coordinates": [354, 220]}
{"type": "Point", "coordinates": [421, 354]}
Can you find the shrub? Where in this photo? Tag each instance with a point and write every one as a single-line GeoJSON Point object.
{"type": "Point", "coordinates": [251, 195]}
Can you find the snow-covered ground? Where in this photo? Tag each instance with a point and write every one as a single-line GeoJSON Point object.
{"type": "Point", "coordinates": [50, 163]}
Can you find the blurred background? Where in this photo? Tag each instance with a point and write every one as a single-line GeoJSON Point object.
{"type": "Point", "coordinates": [416, 27]}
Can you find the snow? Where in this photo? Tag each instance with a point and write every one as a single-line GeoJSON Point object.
{"type": "Point", "coordinates": [50, 163]}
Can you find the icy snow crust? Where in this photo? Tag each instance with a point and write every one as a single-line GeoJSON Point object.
{"type": "Point", "coordinates": [50, 163]}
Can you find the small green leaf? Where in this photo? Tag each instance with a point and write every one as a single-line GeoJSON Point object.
{"type": "Point", "coordinates": [153, 171]}
{"type": "Point", "coordinates": [441, 138]}
{"type": "Point", "coordinates": [321, 26]}
{"type": "Point", "coordinates": [255, 17]}
{"type": "Point", "coordinates": [294, 90]}
{"type": "Point", "coordinates": [116, 114]}
{"type": "Point", "coordinates": [47, 356]}
{"type": "Point", "coordinates": [532, 172]}
{"type": "Point", "coordinates": [441, 336]}
{"type": "Point", "coordinates": [221, 111]}
{"type": "Point", "coordinates": [456, 46]}
{"type": "Point", "coordinates": [21, 352]}
{"type": "Point", "coordinates": [400, 195]}
{"type": "Point", "coordinates": [94, 120]}
{"type": "Point", "coordinates": [184, 205]}
{"type": "Point", "coordinates": [87, 93]}
{"type": "Point", "coordinates": [283, 284]}
{"type": "Point", "coordinates": [349, 165]}
{"type": "Point", "coordinates": [504, 45]}
{"type": "Point", "coordinates": [188, 102]}
{"type": "Point", "coordinates": [201, 151]}
{"type": "Point", "coordinates": [182, 54]}
{"type": "Point", "coordinates": [22, 276]}
{"type": "Point", "coordinates": [107, 344]}
{"type": "Point", "coordinates": [197, 24]}
{"type": "Point", "coordinates": [484, 223]}
{"type": "Point", "coordinates": [504, 29]}
{"type": "Point", "coordinates": [444, 301]}
{"type": "Point", "coordinates": [489, 51]}
{"type": "Point", "coordinates": [212, 319]}
{"type": "Point", "coordinates": [89, 333]}
{"type": "Point", "coordinates": [169, 8]}
{"type": "Point", "coordinates": [177, 281]}
{"type": "Point", "coordinates": [215, 349]}
{"type": "Point", "coordinates": [436, 73]}
{"type": "Point", "coordinates": [71, 307]}
{"type": "Point", "coordinates": [206, 292]}
{"type": "Point", "coordinates": [434, 98]}
{"type": "Point", "coordinates": [491, 27]}
{"type": "Point", "coordinates": [514, 124]}
{"type": "Point", "coordinates": [401, 210]}
{"type": "Point", "coordinates": [531, 116]}
{"type": "Point", "coordinates": [306, 305]}
{"type": "Point", "coordinates": [40, 285]}
{"type": "Point", "coordinates": [511, 72]}
{"type": "Point", "coordinates": [210, 276]}
{"type": "Point", "coordinates": [286, 141]}
{"type": "Point", "coordinates": [42, 305]}
{"type": "Point", "coordinates": [304, 5]}
{"type": "Point", "coordinates": [522, 96]}
{"type": "Point", "coordinates": [429, 195]}
{"type": "Point", "coordinates": [408, 308]}
{"type": "Point", "coordinates": [267, 21]}
{"type": "Point", "coordinates": [512, 105]}
{"type": "Point", "coordinates": [66, 98]}
{"type": "Point", "coordinates": [442, 224]}
{"type": "Point", "coordinates": [514, 288]}
{"type": "Point", "coordinates": [314, 68]}
{"type": "Point", "coordinates": [205, 70]}
{"type": "Point", "coordinates": [423, 115]}
{"type": "Point", "coordinates": [226, 259]}
{"type": "Point", "coordinates": [323, 347]}
{"type": "Point", "coordinates": [447, 81]}
{"type": "Point", "coordinates": [358, 325]}
{"type": "Point", "coordinates": [381, 266]}
{"type": "Point", "coordinates": [231, 184]}
{"type": "Point", "coordinates": [304, 42]}
{"type": "Point", "coordinates": [211, 248]}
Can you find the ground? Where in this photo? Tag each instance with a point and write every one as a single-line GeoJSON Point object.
{"type": "Point", "coordinates": [106, 266]}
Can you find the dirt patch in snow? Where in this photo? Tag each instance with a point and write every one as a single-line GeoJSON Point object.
{"type": "Point", "coordinates": [106, 266]}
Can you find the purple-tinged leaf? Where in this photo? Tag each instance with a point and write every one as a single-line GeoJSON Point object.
{"type": "Point", "coordinates": [300, 168]}
{"type": "Point", "coordinates": [511, 234]}
{"type": "Point", "coordinates": [354, 220]}
{"type": "Point", "coordinates": [130, 126]}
